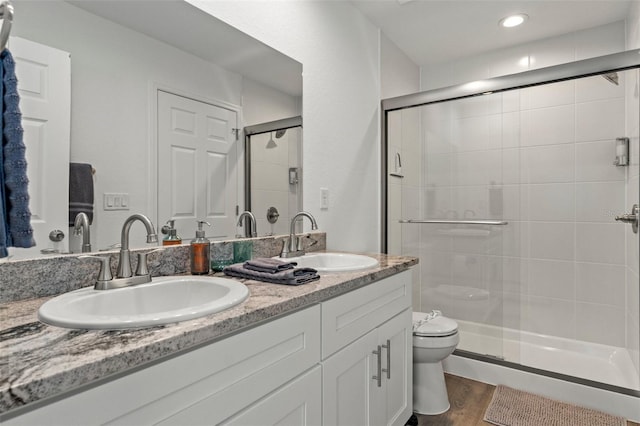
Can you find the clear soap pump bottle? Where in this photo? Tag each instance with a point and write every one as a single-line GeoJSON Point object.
{"type": "Point", "coordinates": [200, 249]}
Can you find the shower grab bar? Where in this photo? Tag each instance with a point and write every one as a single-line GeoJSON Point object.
{"type": "Point", "coordinates": [457, 222]}
{"type": "Point", "coordinates": [6, 14]}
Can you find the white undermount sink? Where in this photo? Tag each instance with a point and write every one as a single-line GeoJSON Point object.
{"type": "Point", "coordinates": [334, 262]}
{"type": "Point", "coordinates": [162, 301]}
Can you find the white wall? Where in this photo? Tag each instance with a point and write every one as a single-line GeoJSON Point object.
{"type": "Point", "coordinates": [112, 70]}
{"type": "Point", "coordinates": [338, 49]}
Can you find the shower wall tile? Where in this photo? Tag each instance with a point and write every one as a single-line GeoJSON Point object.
{"type": "Point", "coordinates": [633, 295]}
{"type": "Point", "coordinates": [515, 239]}
{"type": "Point", "coordinates": [596, 88]}
{"type": "Point", "coordinates": [477, 168]}
{"type": "Point", "coordinates": [594, 162]}
{"type": "Point", "coordinates": [511, 166]}
{"type": "Point", "coordinates": [477, 106]}
{"type": "Point", "coordinates": [552, 202]}
{"type": "Point", "coordinates": [600, 120]}
{"type": "Point", "coordinates": [552, 240]}
{"type": "Point", "coordinates": [477, 133]}
{"type": "Point", "coordinates": [548, 95]}
{"type": "Point", "coordinates": [511, 102]}
{"type": "Point", "coordinates": [510, 209]}
{"type": "Point", "coordinates": [511, 129]}
{"type": "Point", "coordinates": [552, 278]}
{"type": "Point", "coordinates": [548, 164]}
{"type": "Point", "coordinates": [438, 170]}
{"type": "Point", "coordinates": [602, 324]}
{"type": "Point", "coordinates": [554, 317]}
{"type": "Point", "coordinates": [600, 283]}
{"type": "Point", "coordinates": [547, 126]}
{"type": "Point", "coordinates": [599, 202]}
{"type": "Point", "coordinates": [600, 243]}
{"type": "Point", "coordinates": [394, 214]}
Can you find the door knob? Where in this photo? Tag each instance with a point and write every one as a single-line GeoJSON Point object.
{"type": "Point", "coordinates": [56, 235]}
{"type": "Point", "coordinates": [633, 218]}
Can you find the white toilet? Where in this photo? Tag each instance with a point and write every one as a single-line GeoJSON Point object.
{"type": "Point", "coordinates": [435, 337]}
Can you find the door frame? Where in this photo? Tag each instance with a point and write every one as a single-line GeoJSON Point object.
{"type": "Point", "coordinates": [152, 143]}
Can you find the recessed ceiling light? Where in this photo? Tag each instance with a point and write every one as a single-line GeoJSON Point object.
{"type": "Point", "coordinates": [513, 20]}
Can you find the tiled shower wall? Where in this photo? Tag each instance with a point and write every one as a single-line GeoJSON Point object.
{"type": "Point", "coordinates": [540, 158]}
{"type": "Point", "coordinates": [633, 192]}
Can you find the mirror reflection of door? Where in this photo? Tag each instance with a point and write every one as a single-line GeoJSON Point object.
{"type": "Point", "coordinates": [44, 76]}
{"type": "Point", "coordinates": [197, 160]}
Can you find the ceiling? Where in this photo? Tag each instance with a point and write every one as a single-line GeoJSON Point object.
{"type": "Point", "coordinates": [437, 31]}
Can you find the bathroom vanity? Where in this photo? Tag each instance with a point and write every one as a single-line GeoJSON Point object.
{"type": "Point", "coordinates": [336, 351]}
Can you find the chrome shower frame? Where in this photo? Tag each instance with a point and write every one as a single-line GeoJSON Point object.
{"type": "Point", "coordinates": [603, 65]}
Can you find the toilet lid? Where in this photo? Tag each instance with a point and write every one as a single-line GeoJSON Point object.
{"type": "Point", "coordinates": [438, 327]}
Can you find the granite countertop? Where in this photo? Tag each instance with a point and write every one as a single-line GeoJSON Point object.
{"type": "Point", "coordinates": [38, 361]}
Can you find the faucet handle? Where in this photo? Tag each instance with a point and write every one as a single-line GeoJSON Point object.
{"type": "Point", "coordinates": [105, 268]}
{"type": "Point", "coordinates": [143, 266]}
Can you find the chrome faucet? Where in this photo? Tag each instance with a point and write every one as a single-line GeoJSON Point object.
{"type": "Point", "coordinates": [124, 276]}
{"type": "Point", "coordinates": [124, 260]}
{"type": "Point", "coordinates": [81, 226]}
{"type": "Point", "coordinates": [293, 247]}
{"type": "Point", "coordinates": [251, 230]}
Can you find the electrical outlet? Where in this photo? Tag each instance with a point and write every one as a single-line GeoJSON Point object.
{"type": "Point", "coordinates": [324, 198]}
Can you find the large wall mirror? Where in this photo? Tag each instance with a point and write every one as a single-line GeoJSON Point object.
{"type": "Point", "coordinates": [142, 75]}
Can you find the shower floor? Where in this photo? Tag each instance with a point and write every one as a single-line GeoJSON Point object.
{"type": "Point", "coordinates": [591, 361]}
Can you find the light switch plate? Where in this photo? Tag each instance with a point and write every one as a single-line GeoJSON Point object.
{"type": "Point", "coordinates": [115, 201]}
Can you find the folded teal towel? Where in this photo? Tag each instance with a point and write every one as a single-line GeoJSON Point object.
{"type": "Point", "coordinates": [295, 276]}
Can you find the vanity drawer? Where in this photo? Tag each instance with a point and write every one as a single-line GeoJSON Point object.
{"type": "Point", "coordinates": [346, 318]}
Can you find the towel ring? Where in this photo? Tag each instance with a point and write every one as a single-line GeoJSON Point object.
{"type": "Point", "coordinates": [6, 13]}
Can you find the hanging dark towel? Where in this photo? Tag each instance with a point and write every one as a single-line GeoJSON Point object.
{"type": "Point", "coordinates": [17, 216]}
{"type": "Point", "coordinates": [80, 191]}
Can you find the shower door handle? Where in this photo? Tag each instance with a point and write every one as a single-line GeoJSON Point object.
{"type": "Point", "coordinates": [633, 218]}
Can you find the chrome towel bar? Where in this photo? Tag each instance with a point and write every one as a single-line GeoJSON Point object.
{"type": "Point", "coordinates": [457, 222]}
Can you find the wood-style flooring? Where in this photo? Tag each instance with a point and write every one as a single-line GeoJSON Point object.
{"type": "Point", "coordinates": [469, 401]}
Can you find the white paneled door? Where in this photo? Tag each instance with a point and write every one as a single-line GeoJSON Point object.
{"type": "Point", "coordinates": [44, 85]}
{"type": "Point", "coordinates": [197, 165]}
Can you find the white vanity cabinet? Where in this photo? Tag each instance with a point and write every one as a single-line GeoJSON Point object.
{"type": "Point", "coordinates": [205, 386]}
{"type": "Point", "coordinates": [367, 355]}
{"type": "Point", "coordinates": [310, 367]}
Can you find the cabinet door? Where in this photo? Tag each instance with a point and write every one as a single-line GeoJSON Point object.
{"type": "Point", "coordinates": [295, 404]}
{"type": "Point", "coordinates": [395, 336]}
{"type": "Point", "coordinates": [348, 389]}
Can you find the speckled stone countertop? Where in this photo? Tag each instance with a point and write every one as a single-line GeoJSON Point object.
{"type": "Point", "coordinates": [38, 361]}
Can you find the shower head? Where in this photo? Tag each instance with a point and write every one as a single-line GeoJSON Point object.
{"type": "Point", "coordinates": [611, 77]}
{"type": "Point", "coordinates": [280, 133]}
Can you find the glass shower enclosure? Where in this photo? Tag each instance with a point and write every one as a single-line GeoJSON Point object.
{"type": "Point", "coordinates": [517, 195]}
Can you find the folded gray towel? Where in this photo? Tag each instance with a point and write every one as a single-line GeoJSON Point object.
{"type": "Point", "coordinates": [80, 191]}
{"type": "Point", "coordinates": [270, 265]}
{"type": "Point", "coordinates": [294, 276]}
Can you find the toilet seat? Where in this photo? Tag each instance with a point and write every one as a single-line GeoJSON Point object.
{"type": "Point", "coordinates": [438, 326]}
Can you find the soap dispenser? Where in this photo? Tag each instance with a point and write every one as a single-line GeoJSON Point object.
{"type": "Point", "coordinates": [171, 233]}
{"type": "Point", "coordinates": [200, 248]}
